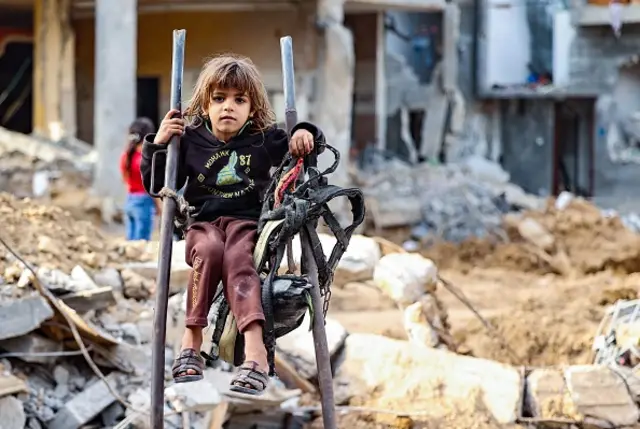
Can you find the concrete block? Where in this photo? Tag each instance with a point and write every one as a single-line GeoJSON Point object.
{"type": "Point", "coordinates": [601, 395]}
{"type": "Point", "coordinates": [32, 343]}
{"type": "Point", "coordinates": [197, 396]}
{"type": "Point", "coordinates": [85, 406]}
{"type": "Point", "coordinates": [12, 413]}
{"type": "Point", "coordinates": [547, 395]}
{"type": "Point", "coordinates": [179, 273]}
{"type": "Point", "coordinates": [424, 379]}
{"type": "Point", "coordinates": [93, 299]}
{"type": "Point", "coordinates": [298, 346]}
{"type": "Point", "coordinates": [19, 317]}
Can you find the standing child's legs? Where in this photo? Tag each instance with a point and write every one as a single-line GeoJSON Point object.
{"type": "Point", "coordinates": [204, 251]}
{"type": "Point", "coordinates": [144, 218]}
{"type": "Point", "coordinates": [129, 220]}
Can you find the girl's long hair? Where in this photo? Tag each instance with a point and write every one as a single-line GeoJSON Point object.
{"type": "Point", "coordinates": [230, 71]}
{"type": "Point", "coordinates": [137, 131]}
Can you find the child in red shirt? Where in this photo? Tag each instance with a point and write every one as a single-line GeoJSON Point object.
{"type": "Point", "coordinates": [140, 207]}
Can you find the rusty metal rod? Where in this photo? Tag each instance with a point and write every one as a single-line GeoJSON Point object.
{"type": "Point", "coordinates": [166, 243]}
{"type": "Point", "coordinates": [323, 358]}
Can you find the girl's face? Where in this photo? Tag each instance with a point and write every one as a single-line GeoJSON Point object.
{"type": "Point", "coordinates": [228, 111]}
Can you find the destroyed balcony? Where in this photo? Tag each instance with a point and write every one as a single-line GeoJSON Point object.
{"type": "Point", "coordinates": [599, 13]}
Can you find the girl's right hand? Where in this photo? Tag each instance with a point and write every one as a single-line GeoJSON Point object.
{"type": "Point", "coordinates": [169, 127]}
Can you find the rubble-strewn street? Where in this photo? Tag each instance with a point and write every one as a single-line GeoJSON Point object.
{"type": "Point", "coordinates": [542, 277]}
{"type": "Point", "coordinates": [493, 283]}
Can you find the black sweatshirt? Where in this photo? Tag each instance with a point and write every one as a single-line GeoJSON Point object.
{"type": "Point", "coordinates": [223, 179]}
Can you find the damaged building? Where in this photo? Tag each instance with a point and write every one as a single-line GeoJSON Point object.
{"type": "Point", "coordinates": [86, 69]}
{"type": "Point", "coordinates": [559, 81]}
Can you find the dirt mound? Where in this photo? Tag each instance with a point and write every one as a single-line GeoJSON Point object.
{"type": "Point", "coordinates": [590, 241]}
{"type": "Point", "coordinates": [49, 236]}
{"type": "Point", "coordinates": [555, 325]}
{"type": "Point", "coordinates": [485, 253]}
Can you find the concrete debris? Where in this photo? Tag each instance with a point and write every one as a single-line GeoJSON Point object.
{"type": "Point", "coordinates": [405, 277]}
{"type": "Point", "coordinates": [85, 406]}
{"type": "Point", "coordinates": [107, 287]}
{"type": "Point", "coordinates": [32, 348]}
{"type": "Point", "coordinates": [298, 347]}
{"type": "Point", "coordinates": [356, 264]}
{"type": "Point", "coordinates": [64, 240]}
{"type": "Point", "coordinates": [198, 396]}
{"type": "Point", "coordinates": [452, 202]}
{"type": "Point", "coordinates": [12, 413]}
{"type": "Point", "coordinates": [601, 396]}
{"type": "Point", "coordinates": [19, 317]}
{"type": "Point", "coordinates": [547, 396]}
{"type": "Point", "coordinates": [396, 371]}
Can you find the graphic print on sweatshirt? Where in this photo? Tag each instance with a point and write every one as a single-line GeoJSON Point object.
{"type": "Point", "coordinates": [228, 176]}
{"type": "Point", "coordinates": [233, 170]}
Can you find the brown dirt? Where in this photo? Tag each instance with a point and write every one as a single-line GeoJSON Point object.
{"type": "Point", "coordinates": [545, 321]}
{"type": "Point", "coordinates": [441, 415]}
{"type": "Point", "coordinates": [51, 237]}
{"type": "Point", "coordinates": [545, 318]}
{"type": "Point", "coordinates": [592, 243]}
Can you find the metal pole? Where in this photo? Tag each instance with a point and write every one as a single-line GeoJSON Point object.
{"type": "Point", "coordinates": [323, 359]}
{"type": "Point", "coordinates": [166, 243]}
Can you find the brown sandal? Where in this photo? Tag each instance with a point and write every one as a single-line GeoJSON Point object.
{"type": "Point", "coordinates": [188, 360]}
{"type": "Point", "coordinates": [251, 375]}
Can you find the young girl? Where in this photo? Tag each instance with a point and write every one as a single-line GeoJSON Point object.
{"type": "Point", "coordinates": [140, 207]}
{"type": "Point", "coordinates": [226, 154]}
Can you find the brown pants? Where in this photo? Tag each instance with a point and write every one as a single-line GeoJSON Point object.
{"type": "Point", "coordinates": [223, 250]}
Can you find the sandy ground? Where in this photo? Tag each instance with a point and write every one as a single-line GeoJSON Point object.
{"type": "Point", "coordinates": [545, 303]}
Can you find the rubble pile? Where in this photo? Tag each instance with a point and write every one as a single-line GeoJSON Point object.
{"type": "Point", "coordinates": [106, 288]}
{"type": "Point", "coordinates": [449, 202]}
{"type": "Point", "coordinates": [58, 173]}
{"type": "Point", "coordinates": [50, 237]}
{"type": "Point", "coordinates": [574, 238]}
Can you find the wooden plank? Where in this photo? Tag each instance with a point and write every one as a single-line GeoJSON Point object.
{"type": "Point", "coordinates": [10, 384]}
{"type": "Point", "coordinates": [219, 416]}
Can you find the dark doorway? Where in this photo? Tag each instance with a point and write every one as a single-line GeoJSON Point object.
{"type": "Point", "coordinates": [16, 95]}
{"type": "Point", "coordinates": [148, 99]}
{"type": "Point", "coordinates": [573, 147]}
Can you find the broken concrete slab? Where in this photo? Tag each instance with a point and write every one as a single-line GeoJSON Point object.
{"type": "Point", "coordinates": [422, 379]}
{"type": "Point", "coordinates": [547, 396]}
{"type": "Point", "coordinates": [126, 357]}
{"type": "Point", "coordinates": [273, 396]}
{"type": "Point", "coordinates": [99, 298]}
{"type": "Point", "coordinates": [393, 212]}
{"type": "Point", "coordinates": [136, 285]}
{"type": "Point", "coordinates": [200, 395]}
{"type": "Point", "coordinates": [298, 346]}
{"type": "Point", "coordinates": [82, 279]}
{"type": "Point", "coordinates": [601, 396]}
{"type": "Point", "coordinates": [27, 348]}
{"type": "Point", "coordinates": [112, 414]}
{"type": "Point", "coordinates": [179, 268]}
{"type": "Point", "coordinates": [19, 317]}
{"type": "Point", "coordinates": [405, 277]}
{"type": "Point", "coordinates": [86, 405]}
{"type": "Point", "coordinates": [109, 277]}
{"type": "Point", "coordinates": [12, 414]}
{"type": "Point", "coordinates": [148, 270]}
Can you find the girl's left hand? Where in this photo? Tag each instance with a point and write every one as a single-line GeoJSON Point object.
{"type": "Point", "coordinates": [301, 143]}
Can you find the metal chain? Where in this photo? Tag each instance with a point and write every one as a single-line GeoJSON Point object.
{"type": "Point", "coordinates": [327, 298]}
